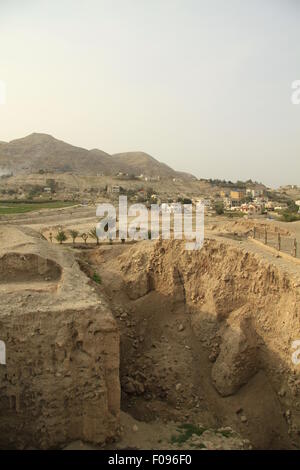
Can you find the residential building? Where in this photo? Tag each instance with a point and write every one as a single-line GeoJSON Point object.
{"type": "Point", "coordinates": [237, 195]}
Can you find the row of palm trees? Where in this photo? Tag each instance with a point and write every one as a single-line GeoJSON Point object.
{"type": "Point", "coordinates": [63, 236]}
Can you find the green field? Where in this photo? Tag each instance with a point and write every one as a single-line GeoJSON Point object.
{"type": "Point", "coordinates": [7, 208]}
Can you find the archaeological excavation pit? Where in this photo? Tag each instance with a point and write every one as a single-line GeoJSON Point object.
{"type": "Point", "coordinates": [205, 337]}
{"type": "Point", "coordinates": [197, 338]}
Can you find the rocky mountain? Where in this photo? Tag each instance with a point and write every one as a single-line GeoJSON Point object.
{"type": "Point", "coordinates": [42, 152]}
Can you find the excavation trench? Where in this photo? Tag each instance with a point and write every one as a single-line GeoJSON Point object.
{"type": "Point", "coordinates": [205, 337]}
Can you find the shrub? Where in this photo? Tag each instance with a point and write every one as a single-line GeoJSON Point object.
{"type": "Point", "coordinates": [186, 431]}
{"type": "Point", "coordinates": [96, 278]}
{"type": "Point", "coordinates": [287, 216]}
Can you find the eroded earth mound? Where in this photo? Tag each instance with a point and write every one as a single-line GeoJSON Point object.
{"type": "Point", "coordinates": [61, 377]}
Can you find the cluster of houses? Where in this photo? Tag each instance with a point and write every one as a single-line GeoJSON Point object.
{"type": "Point", "coordinates": [250, 201]}
{"type": "Point", "coordinates": [247, 201]}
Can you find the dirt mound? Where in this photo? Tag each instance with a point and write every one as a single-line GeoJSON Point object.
{"type": "Point", "coordinates": [205, 337]}
{"type": "Point", "coordinates": [60, 378]}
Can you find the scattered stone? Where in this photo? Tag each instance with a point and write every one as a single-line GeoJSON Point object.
{"type": "Point", "coordinates": [282, 392]}
{"type": "Point", "coordinates": [212, 357]}
{"type": "Point", "coordinates": [129, 387]}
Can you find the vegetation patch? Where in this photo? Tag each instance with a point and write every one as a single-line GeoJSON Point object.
{"type": "Point", "coordinates": [289, 216]}
{"type": "Point", "coordinates": [232, 214]}
{"type": "Point", "coordinates": [186, 431]}
{"type": "Point", "coordinates": [96, 278]}
{"type": "Point", "coordinates": [7, 208]}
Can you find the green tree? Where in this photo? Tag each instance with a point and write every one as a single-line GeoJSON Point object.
{"type": "Point", "coordinates": [74, 234]}
{"type": "Point", "coordinates": [219, 207]}
{"type": "Point", "coordinates": [292, 207]}
{"type": "Point", "coordinates": [61, 236]}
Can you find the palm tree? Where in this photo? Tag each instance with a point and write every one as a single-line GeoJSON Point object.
{"type": "Point", "coordinates": [61, 236]}
{"type": "Point", "coordinates": [74, 234]}
{"type": "Point", "coordinates": [93, 234]}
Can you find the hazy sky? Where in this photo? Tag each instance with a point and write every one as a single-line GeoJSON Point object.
{"type": "Point", "coordinates": [202, 85]}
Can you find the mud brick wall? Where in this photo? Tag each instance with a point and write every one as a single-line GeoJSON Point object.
{"type": "Point", "coordinates": [61, 378]}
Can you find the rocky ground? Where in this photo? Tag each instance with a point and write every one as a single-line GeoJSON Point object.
{"type": "Point", "coordinates": [157, 434]}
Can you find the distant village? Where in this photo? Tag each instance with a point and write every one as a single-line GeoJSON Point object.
{"type": "Point", "coordinates": [247, 201]}
{"type": "Point", "coordinates": [236, 199]}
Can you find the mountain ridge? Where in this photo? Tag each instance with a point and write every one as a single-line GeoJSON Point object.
{"type": "Point", "coordinates": [43, 152]}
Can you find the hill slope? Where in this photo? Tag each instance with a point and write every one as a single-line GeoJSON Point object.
{"type": "Point", "coordinates": [141, 163]}
{"type": "Point", "coordinates": [43, 152]}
